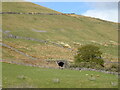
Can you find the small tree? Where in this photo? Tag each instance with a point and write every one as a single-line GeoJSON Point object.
{"type": "Point", "coordinates": [89, 53]}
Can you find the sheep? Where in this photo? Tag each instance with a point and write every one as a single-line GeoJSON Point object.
{"type": "Point", "coordinates": [75, 43]}
{"type": "Point", "coordinates": [64, 45]}
{"type": "Point", "coordinates": [67, 46]}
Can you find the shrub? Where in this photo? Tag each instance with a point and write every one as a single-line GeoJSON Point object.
{"type": "Point", "coordinates": [89, 53]}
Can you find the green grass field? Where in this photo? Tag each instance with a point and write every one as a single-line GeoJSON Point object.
{"type": "Point", "coordinates": [18, 76]}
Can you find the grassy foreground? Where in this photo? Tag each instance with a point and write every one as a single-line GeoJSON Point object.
{"type": "Point", "coordinates": [18, 76]}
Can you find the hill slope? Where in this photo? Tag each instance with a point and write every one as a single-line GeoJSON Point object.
{"type": "Point", "coordinates": [53, 28]}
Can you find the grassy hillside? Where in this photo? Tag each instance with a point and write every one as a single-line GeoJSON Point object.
{"type": "Point", "coordinates": [54, 28]}
{"type": "Point", "coordinates": [34, 77]}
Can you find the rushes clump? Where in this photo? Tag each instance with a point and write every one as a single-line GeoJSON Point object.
{"type": "Point", "coordinates": [56, 80]}
{"type": "Point", "coordinates": [22, 77]}
{"type": "Point", "coordinates": [114, 83]}
{"type": "Point", "coordinates": [92, 78]}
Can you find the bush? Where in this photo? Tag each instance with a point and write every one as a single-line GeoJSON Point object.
{"type": "Point", "coordinates": [89, 53]}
